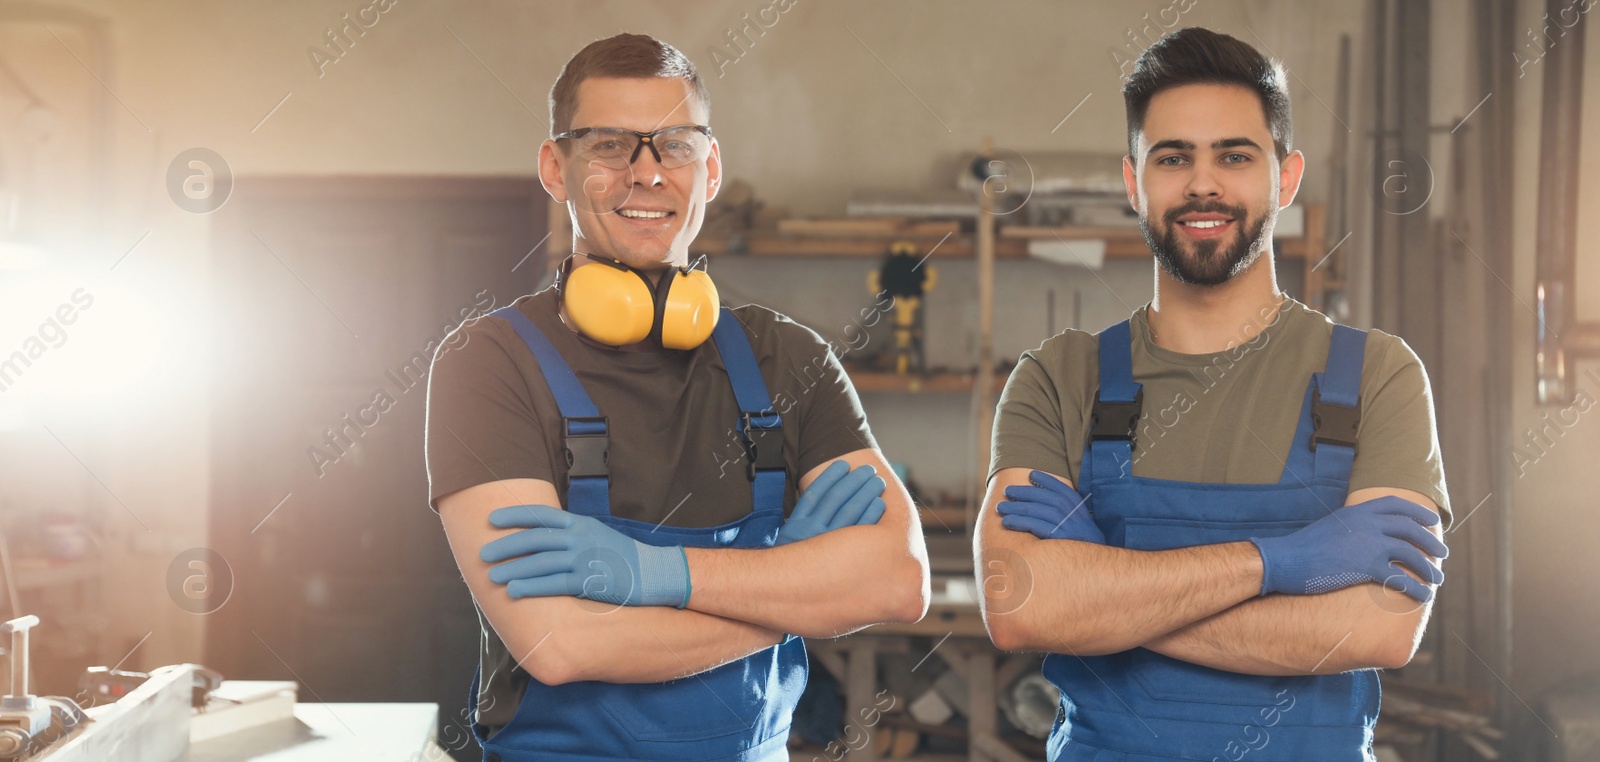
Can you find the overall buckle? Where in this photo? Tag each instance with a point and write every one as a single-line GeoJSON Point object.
{"type": "Point", "coordinates": [763, 445]}
{"type": "Point", "coordinates": [587, 454]}
{"type": "Point", "coordinates": [1332, 423]}
{"type": "Point", "coordinates": [1115, 420]}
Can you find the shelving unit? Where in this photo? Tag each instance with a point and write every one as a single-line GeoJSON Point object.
{"type": "Point", "coordinates": [1011, 242]}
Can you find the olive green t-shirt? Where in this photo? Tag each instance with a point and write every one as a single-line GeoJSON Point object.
{"type": "Point", "coordinates": [1228, 417]}
{"type": "Point", "coordinates": [675, 456]}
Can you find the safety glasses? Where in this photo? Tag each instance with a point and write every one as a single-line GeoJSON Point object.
{"type": "Point", "coordinates": [617, 148]}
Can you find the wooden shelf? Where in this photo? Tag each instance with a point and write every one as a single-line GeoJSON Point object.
{"type": "Point", "coordinates": [1070, 232]}
{"type": "Point", "coordinates": [872, 247]}
{"type": "Point", "coordinates": [1010, 243]}
{"type": "Point", "coordinates": [896, 227]}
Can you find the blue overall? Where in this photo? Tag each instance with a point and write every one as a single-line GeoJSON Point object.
{"type": "Point", "coordinates": [738, 711]}
{"type": "Point", "coordinates": [1140, 706]}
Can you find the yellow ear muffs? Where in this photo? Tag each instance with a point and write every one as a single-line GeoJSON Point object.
{"type": "Point", "coordinates": [687, 308]}
{"type": "Point", "coordinates": [612, 305]}
{"type": "Point", "coordinates": [615, 305]}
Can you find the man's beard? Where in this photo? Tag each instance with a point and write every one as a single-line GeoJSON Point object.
{"type": "Point", "coordinates": [1215, 261]}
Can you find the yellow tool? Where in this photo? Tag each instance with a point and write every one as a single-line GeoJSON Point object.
{"type": "Point", "coordinates": [906, 278]}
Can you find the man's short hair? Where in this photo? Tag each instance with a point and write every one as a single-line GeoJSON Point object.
{"type": "Point", "coordinates": [628, 56]}
{"type": "Point", "coordinates": [1194, 55]}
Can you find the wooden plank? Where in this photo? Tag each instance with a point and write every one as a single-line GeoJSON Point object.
{"type": "Point", "coordinates": [1013, 667]}
{"type": "Point", "coordinates": [1316, 245]}
{"type": "Point", "coordinates": [150, 724]}
{"type": "Point", "coordinates": [1009, 242]}
{"type": "Point", "coordinates": [557, 246]}
{"type": "Point", "coordinates": [869, 226]}
{"type": "Point", "coordinates": [771, 245]}
{"type": "Point", "coordinates": [983, 710]}
{"type": "Point", "coordinates": [983, 386]}
{"type": "Point", "coordinates": [860, 689]}
{"type": "Point", "coordinates": [955, 660]}
{"type": "Point", "coordinates": [1072, 233]}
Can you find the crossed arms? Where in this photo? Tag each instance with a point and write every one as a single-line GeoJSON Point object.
{"type": "Point", "coordinates": [744, 600]}
{"type": "Point", "coordinates": [1199, 604]}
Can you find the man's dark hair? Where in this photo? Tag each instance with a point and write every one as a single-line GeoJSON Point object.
{"type": "Point", "coordinates": [1194, 55]}
{"type": "Point", "coordinates": [627, 56]}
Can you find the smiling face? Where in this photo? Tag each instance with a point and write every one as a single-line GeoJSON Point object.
{"type": "Point", "coordinates": [1207, 183]}
{"type": "Point", "coordinates": [644, 215]}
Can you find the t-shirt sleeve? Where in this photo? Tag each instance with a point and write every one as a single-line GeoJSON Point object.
{"type": "Point", "coordinates": [481, 423]}
{"type": "Point", "coordinates": [1032, 428]}
{"type": "Point", "coordinates": [1397, 444]}
{"type": "Point", "coordinates": [832, 422]}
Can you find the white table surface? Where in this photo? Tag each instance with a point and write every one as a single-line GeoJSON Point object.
{"type": "Point", "coordinates": [332, 733]}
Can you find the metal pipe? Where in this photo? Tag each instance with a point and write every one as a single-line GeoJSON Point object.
{"type": "Point", "coordinates": [1557, 252]}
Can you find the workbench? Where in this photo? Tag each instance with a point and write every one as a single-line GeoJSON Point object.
{"type": "Point", "coordinates": [960, 639]}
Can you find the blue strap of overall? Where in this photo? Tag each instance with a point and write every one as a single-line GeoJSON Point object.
{"type": "Point", "coordinates": [588, 495]}
{"type": "Point", "coordinates": [760, 427]}
{"type": "Point", "coordinates": [1339, 385]}
{"type": "Point", "coordinates": [1113, 457]}
{"type": "Point", "coordinates": [591, 495]}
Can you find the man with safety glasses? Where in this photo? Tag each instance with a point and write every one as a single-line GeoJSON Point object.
{"type": "Point", "coordinates": [651, 496]}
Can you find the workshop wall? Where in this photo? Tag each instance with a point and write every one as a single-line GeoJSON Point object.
{"type": "Point", "coordinates": [833, 99]}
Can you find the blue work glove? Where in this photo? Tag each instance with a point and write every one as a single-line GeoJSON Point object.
{"type": "Point", "coordinates": [839, 497]}
{"type": "Point", "coordinates": [563, 553]}
{"type": "Point", "coordinates": [1356, 544]}
{"type": "Point", "coordinates": [1049, 509]}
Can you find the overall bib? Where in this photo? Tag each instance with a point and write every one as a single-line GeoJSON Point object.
{"type": "Point", "coordinates": [1140, 706]}
{"type": "Point", "coordinates": [739, 711]}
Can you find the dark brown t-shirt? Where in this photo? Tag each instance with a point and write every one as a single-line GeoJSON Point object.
{"type": "Point", "coordinates": [675, 456]}
{"type": "Point", "coordinates": [1226, 417]}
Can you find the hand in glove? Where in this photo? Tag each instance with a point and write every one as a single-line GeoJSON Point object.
{"type": "Point", "coordinates": [1049, 509]}
{"type": "Point", "coordinates": [839, 497]}
{"type": "Point", "coordinates": [1355, 544]}
{"type": "Point", "coordinates": [563, 553]}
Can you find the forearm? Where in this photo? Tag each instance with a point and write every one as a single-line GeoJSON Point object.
{"type": "Point", "coordinates": [830, 585]}
{"type": "Point", "coordinates": [1084, 598]}
{"type": "Point", "coordinates": [1090, 599]}
{"type": "Point", "coordinates": [1360, 627]}
{"type": "Point", "coordinates": [562, 640]}
{"type": "Point", "coordinates": [1367, 626]}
